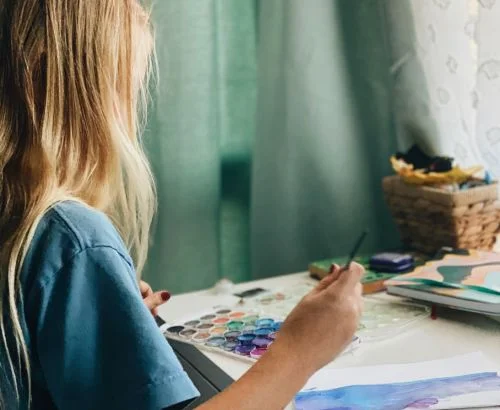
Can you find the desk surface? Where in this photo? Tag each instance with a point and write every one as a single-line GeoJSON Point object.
{"type": "Point", "coordinates": [452, 333]}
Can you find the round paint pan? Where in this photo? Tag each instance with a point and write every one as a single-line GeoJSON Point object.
{"type": "Point", "coordinates": [229, 346]}
{"type": "Point", "coordinates": [223, 311]}
{"type": "Point", "coordinates": [175, 330]}
{"type": "Point", "coordinates": [221, 320]}
{"type": "Point", "coordinates": [187, 333]}
{"type": "Point", "coordinates": [277, 326]}
{"type": "Point", "coordinates": [204, 326]}
{"type": "Point", "coordinates": [192, 323]}
{"type": "Point", "coordinates": [216, 341]}
{"type": "Point", "coordinates": [243, 350]}
{"type": "Point", "coordinates": [262, 342]}
{"type": "Point", "coordinates": [218, 331]}
{"type": "Point", "coordinates": [257, 353]}
{"type": "Point", "coordinates": [201, 337]}
{"type": "Point", "coordinates": [250, 319]}
{"type": "Point", "coordinates": [237, 315]}
{"type": "Point", "coordinates": [249, 329]}
{"type": "Point", "coordinates": [246, 339]}
{"type": "Point", "coordinates": [232, 336]}
{"type": "Point", "coordinates": [272, 336]}
{"type": "Point", "coordinates": [235, 325]}
{"type": "Point", "coordinates": [264, 331]}
{"type": "Point", "coordinates": [208, 317]}
{"type": "Point", "coordinates": [264, 322]}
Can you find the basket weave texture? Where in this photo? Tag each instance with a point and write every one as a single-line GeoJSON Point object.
{"type": "Point", "coordinates": [429, 218]}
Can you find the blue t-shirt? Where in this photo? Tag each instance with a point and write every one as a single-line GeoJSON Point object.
{"type": "Point", "coordinates": [93, 344]}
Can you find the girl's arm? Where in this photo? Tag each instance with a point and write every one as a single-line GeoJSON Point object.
{"type": "Point", "coordinates": [317, 330]}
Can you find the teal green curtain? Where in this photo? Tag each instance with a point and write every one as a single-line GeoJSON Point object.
{"type": "Point", "coordinates": [269, 135]}
{"type": "Point", "coordinates": [199, 137]}
{"type": "Point", "coordinates": [325, 132]}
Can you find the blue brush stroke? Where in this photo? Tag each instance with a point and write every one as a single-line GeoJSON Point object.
{"type": "Point", "coordinates": [419, 394]}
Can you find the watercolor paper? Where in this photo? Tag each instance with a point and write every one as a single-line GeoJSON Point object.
{"type": "Point", "coordinates": [469, 381]}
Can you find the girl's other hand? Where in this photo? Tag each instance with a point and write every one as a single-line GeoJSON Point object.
{"type": "Point", "coordinates": [153, 300]}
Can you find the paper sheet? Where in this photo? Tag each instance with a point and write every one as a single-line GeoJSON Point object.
{"type": "Point", "coordinates": [456, 383]}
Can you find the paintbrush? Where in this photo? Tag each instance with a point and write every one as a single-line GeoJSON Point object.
{"type": "Point", "coordinates": [353, 253]}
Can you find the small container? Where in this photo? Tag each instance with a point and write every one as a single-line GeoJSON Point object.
{"type": "Point", "coordinates": [218, 331]}
{"type": "Point", "coordinates": [216, 341]}
{"type": "Point", "coordinates": [229, 346]}
{"type": "Point", "coordinates": [232, 336]}
{"type": "Point", "coordinates": [264, 331]}
{"type": "Point", "coordinates": [208, 317]}
{"type": "Point", "coordinates": [257, 353]}
{"type": "Point", "coordinates": [262, 342]}
{"type": "Point", "coordinates": [246, 339]}
{"type": "Point", "coordinates": [201, 337]}
{"type": "Point", "coordinates": [235, 325]}
{"type": "Point", "coordinates": [221, 320]}
{"type": "Point", "coordinates": [187, 333]}
{"type": "Point", "coordinates": [243, 350]}
{"type": "Point", "coordinates": [204, 326]}
{"type": "Point", "coordinates": [264, 322]}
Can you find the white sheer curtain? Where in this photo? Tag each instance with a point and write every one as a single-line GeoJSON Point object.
{"type": "Point", "coordinates": [446, 75]}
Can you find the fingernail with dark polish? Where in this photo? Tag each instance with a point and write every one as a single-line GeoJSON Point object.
{"type": "Point", "coordinates": [165, 295]}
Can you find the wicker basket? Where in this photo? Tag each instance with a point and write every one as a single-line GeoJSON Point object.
{"type": "Point", "coordinates": [429, 218]}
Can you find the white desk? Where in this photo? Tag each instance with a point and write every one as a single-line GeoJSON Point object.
{"type": "Point", "coordinates": [451, 334]}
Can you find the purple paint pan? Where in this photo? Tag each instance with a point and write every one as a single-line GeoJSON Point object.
{"type": "Point", "coordinates": [243, 350]}
{"type": "Point", "coordinates": [257, 353]}
{"type": "Point", "coordinates": [262, 342]}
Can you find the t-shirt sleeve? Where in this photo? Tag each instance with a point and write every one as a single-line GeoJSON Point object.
{"type": "Point", "coordinates": [97, 343]}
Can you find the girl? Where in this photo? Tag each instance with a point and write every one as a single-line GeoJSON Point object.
{"type": "Point", "coordinates": [76, 204]}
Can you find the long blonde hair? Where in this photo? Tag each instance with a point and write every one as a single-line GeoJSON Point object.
{"type": "Point", "coordinates": [73, 80]}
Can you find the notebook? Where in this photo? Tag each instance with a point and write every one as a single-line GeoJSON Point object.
{"type": "Point", "coordinates": [461, 281]}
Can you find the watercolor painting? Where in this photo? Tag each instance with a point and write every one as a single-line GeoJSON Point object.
{"type": "Point", "coordinates": [479, 271]}
{"type": "Point", "coordinates": [418, 394]}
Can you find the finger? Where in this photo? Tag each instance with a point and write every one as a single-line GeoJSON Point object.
{"type": "Point", "coordinates": [145, 289]}
{"type": "Point", "coordinates": [156, 299]}
{"type": "Point", "coordinates": [325, 282]}
{"type": "Point", "coordinates": [329, 279]}
{"type": "Point", "coordinates": [334, 267]}
{"type": "Point", "coordinates": [350, 278]}
{"type": "Point", "coordinates": [154, 312]}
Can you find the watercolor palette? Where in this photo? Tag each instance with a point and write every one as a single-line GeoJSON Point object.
{"type": "Point", "coordinates": [380, 319]}
{"type": "Point", "coordinates": [242, 333]}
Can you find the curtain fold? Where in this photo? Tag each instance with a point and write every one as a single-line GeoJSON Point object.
{"type": "Point", "coordinates": [270, 132]}
{"type": "Point", "coordinates": [324, 133]}
{"type": "Point", "coordinates": [199, 134]}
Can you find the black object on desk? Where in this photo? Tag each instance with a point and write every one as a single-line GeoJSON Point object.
{"type": "Point", "coordinates": [208, 378]}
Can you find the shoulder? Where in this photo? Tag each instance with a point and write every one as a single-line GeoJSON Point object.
{"type": "Point", "coordinates": [84, 226]}
{"type": "Point", "coordinates": [66, 230]}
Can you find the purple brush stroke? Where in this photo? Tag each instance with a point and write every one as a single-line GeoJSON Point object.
{"type": "Point", "coordinates": [419, 394]}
